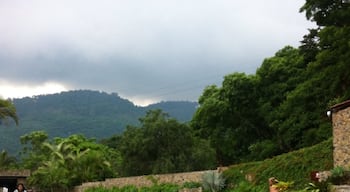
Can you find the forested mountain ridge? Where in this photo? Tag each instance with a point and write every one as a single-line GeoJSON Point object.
{"type": "Point", "coordinates": [90, 113]}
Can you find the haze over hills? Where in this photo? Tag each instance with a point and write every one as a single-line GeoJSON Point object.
{"type": "Point", "coordinates": [91, 113]}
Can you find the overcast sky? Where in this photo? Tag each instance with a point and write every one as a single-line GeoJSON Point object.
{"type": "Point", "coordinates": [144, 50]}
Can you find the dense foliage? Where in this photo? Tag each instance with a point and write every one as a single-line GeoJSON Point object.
{"type": "Point", "coordinates": [91, 113]}
{"type": "Point", "coordinates": [250, 117]}
{"type": "Point", "coordinates": [6, 161]}
{"type": "Point", "coordinates": [294, 167]}
{"type": "Point", "coordinates": [7, 110]}
{"type": "Point", "coordinates": [161, 145]}
{"type": "Point", "coordinates": [235, 178]}
{"type": "Point", "coordinates": [62, 163]}
{"type": "Point", "coordinates": [282, 106]}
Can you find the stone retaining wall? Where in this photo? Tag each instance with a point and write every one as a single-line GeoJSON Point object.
{"type": "Point", "coordinates": [146, 180]}
{"type": "Point", "coordinates": [340, 188]}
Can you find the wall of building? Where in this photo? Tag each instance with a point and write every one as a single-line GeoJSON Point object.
{"type": "Point", "coordinates": [10, 178]}
{"type": "Point", "coordinates": [341, 137]}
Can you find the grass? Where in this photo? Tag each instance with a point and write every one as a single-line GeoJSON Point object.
{"type": "Point", "coordinates": [294, 167]}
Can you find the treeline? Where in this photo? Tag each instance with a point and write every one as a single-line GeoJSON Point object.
{"type": "Point", "coordinates": [282, 107]}
{"type": "Point", "coordinates": [90, 113]}
{"type": "Point", "coordinates": [160, 144]}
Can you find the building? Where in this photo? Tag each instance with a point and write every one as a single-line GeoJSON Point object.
{"type": "Point", "coordinates": [340, 114]}
{"type": "Point", "coordinates": [10, 178]}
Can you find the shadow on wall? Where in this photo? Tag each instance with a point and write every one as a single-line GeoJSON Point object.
{"type": "Point", "coordinates": [8, 183]}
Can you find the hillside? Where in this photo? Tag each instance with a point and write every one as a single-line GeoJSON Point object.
{"type": "Point", "coordinates": [91, 113]}
{"type": "Point", "coordinates": [294, 166]}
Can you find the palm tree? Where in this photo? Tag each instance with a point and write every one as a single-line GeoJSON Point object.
{"type": "Point", "coordinates": [7, 109]}
{"type": "Point", "coordinates": [6, 160]}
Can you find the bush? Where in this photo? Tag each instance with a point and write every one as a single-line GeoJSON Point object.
{"type": "Point", "coordinates": [213, 181]}
{"type": "Point", "coordinates": [295, 166]}
{"type": "Point", "coordinates": [191, 185]}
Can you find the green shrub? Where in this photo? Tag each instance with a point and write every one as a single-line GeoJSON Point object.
{"type": "Point", "coordinates": [295, 166]}
{"type": "Point", "coordinates": [245, 186]}
{"type": "Point", "coordinates": [129, 188]}
{"type": "Point", "coordinates": [213, 181]}
{"type": "Point", "coordinates": [191, 185]}
{"type": "Point", "coordinates": [168, 187]}
{"type": "Point", "coordinates": [283, 186]}
{"type": "Point", "coordinates": [340, 176]}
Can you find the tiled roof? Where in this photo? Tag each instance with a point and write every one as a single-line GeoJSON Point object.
{"type": "Point", "coordinates": [340, 106]}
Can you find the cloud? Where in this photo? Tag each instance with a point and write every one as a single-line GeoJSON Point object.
{"type": "Point", "coordinates": [147, 50]}
{"type": "Point", "coordinates": [9, 90]}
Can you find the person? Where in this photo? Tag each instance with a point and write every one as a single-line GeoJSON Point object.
{"type": "Point", "coordinates": [20, 188]}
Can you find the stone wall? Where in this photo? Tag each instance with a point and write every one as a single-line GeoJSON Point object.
{"type": "Point", "coordinates": [341, 142]}
{"type": "Point", "coordinates": [146, 180]}
{"type": "Point", "coordinates": [9, 178]}
{"type": "Point", "coordinates": [341, 134]}
{"type": "Point", "coordinates": [15, 173]}
{"type": "Point", "coordinates": [340, 188]}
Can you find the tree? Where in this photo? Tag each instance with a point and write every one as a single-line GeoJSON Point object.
{"type": "Point", "coordinates": [281, 108]}
{"type": "Point", "coordinates": [332, 38]}
{"type": "Point", "coordinates": [7, 109]}
{"type": "Point", "coordinates": [243, 124]}
{"type": "Point", "coordinates": [33, 151]}
{"type": "Point", "coordinates": [278, 77]}
{"type": "Point", "coordinates": [62, 163]}
{"type": "Point", "coordinates": [88, 160]}
{"type": "Point", "coordinates": [328, 74]}
{"type": "Point", "coordinates": [161, 145]}
{"type": "Point", "coordinates": [6, 161]}
{"type": "Point", "coordinates": [327, 12]}
{"type": "Point", "coordinates": [310, 45]}
{"type": "Point", "coordinates": [208, 120]}
{"type": "Point", "coordinates": [229, 118]}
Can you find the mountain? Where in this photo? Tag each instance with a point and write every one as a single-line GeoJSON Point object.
{"type": "Point", "coordinates": [91, 113]}
{"type": "Point", "coordinates": [181, 110]}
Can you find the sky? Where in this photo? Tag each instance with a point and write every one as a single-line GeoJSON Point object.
{"type": "Point", "coordinates": [146, 51]}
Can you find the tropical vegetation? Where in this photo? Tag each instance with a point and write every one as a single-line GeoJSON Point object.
{"type": "Point", "coordinates": [94, 114]}
{"type": "Point", "coordinates": [271, 123]}
{"type": "Point", "coordinates": [7, 110]}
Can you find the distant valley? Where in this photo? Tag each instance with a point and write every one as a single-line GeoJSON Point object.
{"type": "Point", "coordinates": [91, 113]}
